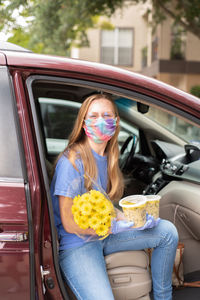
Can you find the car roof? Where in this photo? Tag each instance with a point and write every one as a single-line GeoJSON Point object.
{"type": "Point", "coordinates": [7, 46]}
{"type": "Point", "coordinates": [103, 73]}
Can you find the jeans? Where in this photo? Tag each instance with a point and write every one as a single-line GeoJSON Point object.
{"type": "Point", "coordinates": [84, 267]}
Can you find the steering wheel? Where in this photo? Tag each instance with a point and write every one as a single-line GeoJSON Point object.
{"type": "Point", "coordinates": [125, 161]}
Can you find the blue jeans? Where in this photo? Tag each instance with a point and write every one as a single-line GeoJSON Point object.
{"type": "Point", "coordinates": [84, 267]}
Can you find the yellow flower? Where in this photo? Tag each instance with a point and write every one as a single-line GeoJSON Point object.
{"type": "Point", "coordinates": [77, 217]}
{"type": "Point", "coordinates": [101, 206]}
{"type": "Point", "coordinates": [86, 208]}
{"type": "Point", "coordinates": [95, 196]}
{"type": "Point", "coordinates": [101, 218]}
{"type": "Point", "coordinates": [81, 202]}
{"type": "Point", "coordinates": [104, 206]}
{"type": "Point", "coordinates": [76, 199]}
{"type": "Point", "coordinates": [74, 209]}
{"type": "Point", "coordinates": [93, 210]}
{"type": "Point", "coordinates": [108, 221]}
{"type": "Point", "coordinates": [86, 197]}
{"type": "Point", "coordinates": [102, 230]}
{"type": "Point", "coordinates": [94, 222]}
{"type": "Point", "coordinates": [83, 222]}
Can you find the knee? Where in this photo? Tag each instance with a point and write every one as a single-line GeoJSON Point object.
{"type": "Point", "coordinates": [169, 232]}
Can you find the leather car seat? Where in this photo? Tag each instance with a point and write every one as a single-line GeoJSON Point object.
{"type": "Point", "coordinates": [129, 275]}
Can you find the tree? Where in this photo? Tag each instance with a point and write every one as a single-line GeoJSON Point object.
{"type": "Point", "coordinates": [184, 12]}
{"type": "Point", "coordinates": [56, 25]}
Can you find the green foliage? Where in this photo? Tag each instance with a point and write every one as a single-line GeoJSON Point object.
{"type": "Point", "coordinates": [57, 25]}
{"type": "Point", "coordinates": [195, 90]}
{"type": "Point", "coordinates": [19, 37]}
{"type": "Point", "coordinates": [22, 38]}
{"type": "Point", "coordinates": [105, 25]}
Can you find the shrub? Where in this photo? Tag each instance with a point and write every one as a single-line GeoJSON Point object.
{"type": "Point", "coordinates": [195, 90]}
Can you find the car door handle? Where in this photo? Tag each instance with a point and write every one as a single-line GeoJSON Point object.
{"type": "Point", "coordinates": [13, 237]}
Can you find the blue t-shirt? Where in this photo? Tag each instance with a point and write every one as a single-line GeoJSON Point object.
{"type": "Point", "coordinates": [69, 182]}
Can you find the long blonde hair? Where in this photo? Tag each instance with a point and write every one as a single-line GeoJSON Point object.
{"type": "Point", "coordinates": [78, 147]}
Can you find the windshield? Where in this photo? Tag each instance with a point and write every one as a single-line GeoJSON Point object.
{"type": "Point", "coordinates": [179, 127]}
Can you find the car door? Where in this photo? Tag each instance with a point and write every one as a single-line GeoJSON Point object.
{"type": "Point", "coordinates": [16, 259]}
{"type": "Point", "coordinates": [38, 86]}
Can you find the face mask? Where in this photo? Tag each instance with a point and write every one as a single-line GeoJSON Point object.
{"type": "Point", "coordinates": [100, 130]}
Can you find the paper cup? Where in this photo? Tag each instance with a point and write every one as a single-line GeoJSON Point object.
{"type": "Point", "coordinates": [134, 208]}
{"type": "Point", "coordinates": [152, 205]}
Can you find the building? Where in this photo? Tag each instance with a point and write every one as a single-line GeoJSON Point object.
{"type": "Point", "coordinates": [127, 40]}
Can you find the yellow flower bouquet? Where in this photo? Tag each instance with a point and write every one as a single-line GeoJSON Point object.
{"type": "Point", "coordinates": [93, 210]}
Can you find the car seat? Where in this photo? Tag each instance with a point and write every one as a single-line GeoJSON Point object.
{"type": "Point", "coordinates": [129, 275]}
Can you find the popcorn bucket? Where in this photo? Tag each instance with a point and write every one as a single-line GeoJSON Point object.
{"type": "Point", "coordinates": [134, 208]}
{"type": "Point", "coordinates": [152, 205]}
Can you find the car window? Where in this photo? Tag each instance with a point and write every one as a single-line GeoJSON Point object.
{"type": "Point", "coordinates": [10, 162]}
{"type": "Point", "coordinates": [58, 117]}
{"type": "Point", "coordinates": [127, 130]}
{"type": "Point", "coordinates": [179, 127]}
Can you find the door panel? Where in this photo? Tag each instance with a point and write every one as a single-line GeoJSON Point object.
{"type": "Point", "coordinates": [14, 245]}
{"type": "Point", "coordinates": [180, 204]}
{"type": "Point", "coordinates": [15, 267]}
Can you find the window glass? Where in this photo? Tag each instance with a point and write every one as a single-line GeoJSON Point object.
{"type": "Point", "coordinates": [178, 42]}
{"type": "Point", "coordinates": [154, 49]}
{"type": "Point", "coordinates": [126, 130]}
{"type": "Point", "coordinates": [58, 117]}
{"type": "Point", "coordinates": [117, 46]}
{"type": "Point", "coordinates": [125, 37]}
{"type": "Point", "coordinates": [10, 163]}
{"type": "Point", "coordinates": [178, 126]}
{"type": "Point", "coordinates": [108, 38]}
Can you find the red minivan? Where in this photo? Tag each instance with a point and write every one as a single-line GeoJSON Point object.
{"type": "Point", "coordinates": [160, 153]}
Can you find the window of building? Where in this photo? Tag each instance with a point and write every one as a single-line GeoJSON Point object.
{"type": "Point", "coordinates": [178, 36]}
{"type": "Point", "coordinates": [117, 46]}
{"type": "Point", "coordinates": [144, 57]}
{"type": "Point", "coordinates": [154, 49]}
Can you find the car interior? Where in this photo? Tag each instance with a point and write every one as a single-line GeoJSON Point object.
{"type": "Point", "coordinates": [154, 159]}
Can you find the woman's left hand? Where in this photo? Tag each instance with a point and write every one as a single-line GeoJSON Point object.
{"type": "Point", "coordinates": [150, 223]}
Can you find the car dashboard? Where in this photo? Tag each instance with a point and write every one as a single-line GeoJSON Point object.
{"type": "Point", "coordinates": [176, 164]}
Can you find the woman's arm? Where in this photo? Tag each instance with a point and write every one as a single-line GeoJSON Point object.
{"type": "Point", "coordinates": [67, 217]}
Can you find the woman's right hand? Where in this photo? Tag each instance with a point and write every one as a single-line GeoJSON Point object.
{"type": "Point", "coordinates": [120, 226]}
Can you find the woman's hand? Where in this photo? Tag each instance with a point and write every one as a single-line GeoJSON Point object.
{"type": "Point", "coordinates": [150, 223]}
{"type": "Point", "coordinates": [120, 226]}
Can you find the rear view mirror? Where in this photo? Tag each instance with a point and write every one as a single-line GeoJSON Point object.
{"type": "Point", "coordinates": [142, 108]}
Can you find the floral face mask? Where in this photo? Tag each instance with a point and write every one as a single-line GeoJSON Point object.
{"type": "Point", "coordinates": [100, 130]}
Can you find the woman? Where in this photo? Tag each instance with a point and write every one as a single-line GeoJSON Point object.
{"type": "Point", "coordinates": [93, 150]}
